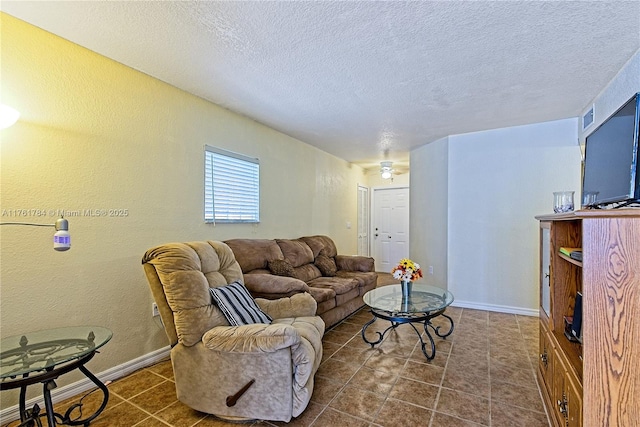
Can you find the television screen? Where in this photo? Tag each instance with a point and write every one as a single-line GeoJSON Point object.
{"type": "Point", "coordinates": [611, 157]}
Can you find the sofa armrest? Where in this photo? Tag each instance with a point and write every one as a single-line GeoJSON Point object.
{"type": "Point", "coordinates": [256, 338]}
{"type": "Point", "coordinates": [298, 305]}
{"type": "Point", "coordinates": [355, 263]}
{"type": "Point", "coordinates": [266, 285]}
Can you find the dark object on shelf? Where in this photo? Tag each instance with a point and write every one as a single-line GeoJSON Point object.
{"type": "Point", "coordinates": [568, 324]}
{"type": "Point", "coordinates": [568, 320]}
{"type": "Point", "coordinates": [577, 255]}
{"type": "Point", "coordinates": [576, 326]}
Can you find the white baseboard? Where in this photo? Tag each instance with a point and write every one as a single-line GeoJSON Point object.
{"type": "Point", "coordinates": [70, 390]}
{"type": "Point", "coordinates": [497, 308]}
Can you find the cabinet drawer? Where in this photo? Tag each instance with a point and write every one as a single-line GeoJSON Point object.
{"type": "Point", "coordinates": [567, 397]}
{"type": "Point", "coordinates": [545, 359]}
{"type": "Point", "coordinates": [573, 393]}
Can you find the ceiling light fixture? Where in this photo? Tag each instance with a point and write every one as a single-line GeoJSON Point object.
{"type": "Point", "coordinates": [8, 116]}
{"type": "Point", "coordinates": [385, 170]}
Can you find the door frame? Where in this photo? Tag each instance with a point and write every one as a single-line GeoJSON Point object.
{"type": "Point", "coordinates": [367, 206]}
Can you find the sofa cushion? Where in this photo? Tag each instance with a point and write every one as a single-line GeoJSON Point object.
{"type": "Point", "coordinates": [238, 306]}
{"type": "Point", "coordinates": [322, 294]}
{"type": "Point", "coordinates": [365, 280]}
{"type": "Point", "coordinates": [338, 284]}
{"type": "Point", "coordinates": [270, 286]}
{"type": "Point", "coordinates": [298, 305]}
{"type": "Point", "coordinates": [355, 263]}
{"type": "Point", "coordinates": [297, 252]}
{"type": "Point", "coordinates": [306, 273]}
{"type": "Point", "coordinates": [325, 297]}
{"type": "Point", "coordinates": [326, 265]}
{"type": "Point", "coordinates": [281, 267]}
{"type": "Point", "coordinates": [254, 254]}
{"type": "Point", "coordinates": [321, 245]}
{"type": "Point", "coordinates": [325, 306]}
{"type": "Point", "coordinates": [348, 296]}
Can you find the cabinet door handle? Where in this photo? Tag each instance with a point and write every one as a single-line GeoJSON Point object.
{"type": "Point", "coordinates": [562, 404]}
{"type": "Point", "coordinates": [544, 358]}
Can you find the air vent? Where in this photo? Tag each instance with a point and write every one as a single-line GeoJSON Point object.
{"type": "Point", "coordinates": [587, 119]}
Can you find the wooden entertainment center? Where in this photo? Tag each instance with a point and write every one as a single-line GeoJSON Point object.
{"type": "Point", "coordinates": [596, 382]}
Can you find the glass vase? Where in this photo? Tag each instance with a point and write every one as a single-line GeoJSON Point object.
{"type": "Point", "coordinates": [406, 285]}
{"type": "Point", "coordinates": [563, 201]}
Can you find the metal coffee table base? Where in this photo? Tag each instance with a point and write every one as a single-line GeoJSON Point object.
{"type": "Point", "coordinates": [424, 318]}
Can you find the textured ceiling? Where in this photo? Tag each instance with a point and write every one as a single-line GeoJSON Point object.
{"type": "Point", "coordinates": [365, 81]}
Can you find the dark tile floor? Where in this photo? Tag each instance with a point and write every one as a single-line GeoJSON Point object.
{"type": "Point", "coordinates": [482, 375]}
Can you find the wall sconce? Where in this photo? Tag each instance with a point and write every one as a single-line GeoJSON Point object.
{"type": "Point", "coordinates": [8, 116]}
{"type": "Point", "coordinates": [385, 170]}
{"type": "Point", "coordinates": [61, 238]}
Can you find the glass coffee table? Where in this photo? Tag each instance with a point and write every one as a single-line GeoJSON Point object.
{"type": "Point", "coordinates": [41, 357]}
{"type": "Point", "coordinates": [423, 303]}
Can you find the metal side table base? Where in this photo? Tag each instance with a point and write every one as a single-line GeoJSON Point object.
{"type": "Point", "coordinates": [31, 417]}
{"type": "Point", "coordinates": [41, 357]}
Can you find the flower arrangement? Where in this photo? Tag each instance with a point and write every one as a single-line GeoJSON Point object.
{"type": "Point", "coordinates": [407, 270]}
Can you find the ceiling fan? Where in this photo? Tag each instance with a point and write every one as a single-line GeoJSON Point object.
{"type": "Point", "coordinates": [387, 171]}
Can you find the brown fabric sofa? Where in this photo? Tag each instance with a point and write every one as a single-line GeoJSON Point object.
{"type": "Point", "coordinates": [213, 360]}
{"type": "Point", "coordinates": [276, 268]}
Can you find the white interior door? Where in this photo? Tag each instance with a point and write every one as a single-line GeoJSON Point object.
{"type": "Point", "coordinates": [363, 220]}
{"type": "Point", "coordinates": [390, 226]}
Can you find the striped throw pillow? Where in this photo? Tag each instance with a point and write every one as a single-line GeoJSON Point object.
{"type": "Point", "coordinates": [238, 305]}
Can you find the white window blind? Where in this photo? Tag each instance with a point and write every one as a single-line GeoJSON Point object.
{"type": "Point", "coordinates": [231, 187]}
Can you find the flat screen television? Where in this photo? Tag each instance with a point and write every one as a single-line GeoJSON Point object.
{"type": "Point", "coordinates": [610, 176]}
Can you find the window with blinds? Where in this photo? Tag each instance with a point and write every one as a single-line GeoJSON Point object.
{"type": "Point", "coordinates": [231, 187]}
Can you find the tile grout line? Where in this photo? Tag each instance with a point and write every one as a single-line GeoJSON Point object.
{"type": "Point", "coordinates": [490, 379]}
{"type": "Point", "coordinates": [144, 410]}
{"type": "Point", "coordinates": [535, 374]}
{"type": "Point", "coordinates": [444, 372]}
{"type": "Point", "coordinates": [346, 382]}
{"type": "Point", "coordinates": [387, 396]}
{"type": "Point", "coordinates": [152, 415]}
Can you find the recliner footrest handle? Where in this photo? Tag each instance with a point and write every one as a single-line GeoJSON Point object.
{"type": "Point", "coordinates": [233, 399]}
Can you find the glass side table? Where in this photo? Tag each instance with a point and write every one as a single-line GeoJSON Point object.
{"type": "Point", "coordinates": [423, 304]}
{"type": "Point", "coordinates": [41, 357]}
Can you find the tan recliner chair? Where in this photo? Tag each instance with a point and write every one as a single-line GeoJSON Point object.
{"type": "Point", "coordinates": [214, 364]}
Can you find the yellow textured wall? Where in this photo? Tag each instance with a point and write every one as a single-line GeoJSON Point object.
{"type": "Point", "coordinates": [401, 180]}
{"type": "Point", "coordinates": [97, 135]}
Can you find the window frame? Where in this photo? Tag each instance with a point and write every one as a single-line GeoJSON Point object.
{"type": "Point", "coordinates": [248, 211]}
